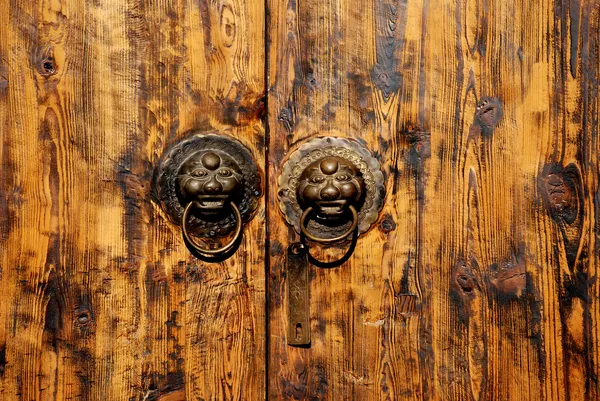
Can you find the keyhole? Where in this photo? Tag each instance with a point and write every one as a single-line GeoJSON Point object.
{"type": "Point", "coordinates": [298, 331]}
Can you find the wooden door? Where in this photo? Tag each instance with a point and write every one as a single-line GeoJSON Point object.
{"type": "Point", "coordinates": [100, 298]}
{"type": "Point", "coordinates": [478, 281]}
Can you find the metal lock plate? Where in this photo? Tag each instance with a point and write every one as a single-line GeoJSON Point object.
{"type": "Point", "coordinates": [298, 295]}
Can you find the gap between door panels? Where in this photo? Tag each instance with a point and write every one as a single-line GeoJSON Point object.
{"type": "Point", "coordinates": [267, 242]}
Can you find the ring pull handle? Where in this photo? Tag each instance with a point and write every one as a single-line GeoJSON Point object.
{"type": "Point", "coordinates": [207, 177]}
{"type": "Point", "coordinates": [336, 181]}
{"type": "Point", "coordinates": [308, 211]}
{"type": "Point", "coordinates": [215, 253]}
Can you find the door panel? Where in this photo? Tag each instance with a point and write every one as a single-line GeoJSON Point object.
{"type": "Point", "coordinates": [479, 280]}
{"type": "Point", "coordinates": [101, 298]}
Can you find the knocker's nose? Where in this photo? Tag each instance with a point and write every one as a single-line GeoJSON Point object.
{"type": "Point", "coordinates": [330, 192]}
{"type": "Point", "coordinates": [213, 186]}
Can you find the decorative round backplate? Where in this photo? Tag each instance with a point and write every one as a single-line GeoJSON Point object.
{"type": "Point", "coordinates": [324, 155]}
{"type": "Point", "coordinates": [208, 151]}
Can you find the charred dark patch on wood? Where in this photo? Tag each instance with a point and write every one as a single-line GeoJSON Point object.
{"type": "Point", "coordinates": [328, 112]}
{"type": "Point", "coordinates": [535, 324]}
{"type": "Point", "coordinates": [508, 277]}
{"type": "Point", "coordinates": [390, 21]}
{"type": "Point", "coordinates": [227, 25]}
{"type": "Point", "coordinates": [156, 287]}
{"type": "Point", "coordinates": [576, 287]}
{"type": "Point", "coordinates": [575, 16]}
{"type": "Point", "coordinates": [3, 78]}
{"type": "Point", "coordinates": [157, 271]}
{"type": "Point", "coordinates": [296, 388]}
{"type": "Point", "coordinates": [52, 321]}
{"type": "Point", "coordinates": [157, 386]}
{"type": "Point", "coordinates": [575, 307]}
{"type": "Point", "coordinates": [360, 92]}
{"type": "Point", "coordinates": [276, 248]}
{"type": "Point", "coordinates": [6, 209]}
{"type": "Point", "coordinates": [206, 26]}
{"type": "Point", "coordinates": [464, 286]}
{"type": "Point", "coordinates": [386, 79]}
{"type": "Point", "coordinates": [244, 107]}
{"type": "Point", "coordinates": [383, 145]}
{"type": "Point", "coordinates": [52, 316]}
{"type": "Point", "coordinates": [465, 280]}
{"type": "Point", "coordinates": [196, 274]}
{"type": "Point", "coordinates": [426, 353]}
{"type": "Point", "coordinates": [286, 118]}
{"type": "Point", "coordinates": [2, 359]}
{"type": "Point", "coordinates": [134, 181]}
{"type": "Point", "coordinates": [561, 189]}
{"type": "Point", "coordinates": [321, 326]}
{"type": "Point", "coordinates": [406, 273]}
{"type": "Point", "coordinates": [179, 272]}
{"type": "Point", "coordinates": [562, 193]}
{"type": "Point", "coordinates": [319, 385]}
{"type": "Point", "coordinates": [487, 116]}
{"type": "Point", "coordinates": [478, 45]}
{"type": "Point", "coordinates": [418, 141]}
{"type": "Point", "coordinates": [310, 80]}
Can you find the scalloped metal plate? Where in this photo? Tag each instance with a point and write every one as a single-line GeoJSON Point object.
{"type": "Point", "coordinates": [316, 149]}
{"type": "Point", "coordinates": [165, 178]}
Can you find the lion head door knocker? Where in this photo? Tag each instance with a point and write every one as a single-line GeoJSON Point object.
{"type": "Point", "coordinates": [331, 190]}
{"type": "Point", "coordinates": [210, 185]}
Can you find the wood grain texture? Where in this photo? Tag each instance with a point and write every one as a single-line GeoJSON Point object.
{"type": "Point", "coordinates": [101, 299]}
{"type": "Point", "coordinates": [484, 115]}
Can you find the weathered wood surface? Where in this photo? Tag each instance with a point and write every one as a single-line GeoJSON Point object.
{"type": "Point", "coordinates": [479, 281]}
{"type": "Point", "coordinates": [100, 298]}
{"type": "Point", "coordinates": [484, 114]}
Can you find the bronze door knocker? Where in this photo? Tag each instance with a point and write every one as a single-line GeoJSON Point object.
{"type": "Point", "coordinates": [210, 185]}
{"type": "Point", "coordinates": [330, 188]}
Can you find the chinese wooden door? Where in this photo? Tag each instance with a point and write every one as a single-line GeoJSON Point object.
{"type": "Point", "coordinates": [477, 280]}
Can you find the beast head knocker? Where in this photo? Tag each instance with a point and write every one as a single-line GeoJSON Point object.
{"type": "Point", "coordinates": [330, 186]}
{"type": "Point", "coordinates": [210, 179]}
{"type": "Point", "coordinates": [210, 185]}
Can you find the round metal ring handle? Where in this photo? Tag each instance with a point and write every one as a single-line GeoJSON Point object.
{"type": "Point", "coordinates": [340, 237]}
{"type": "Point", "coordinates": [212, 252]}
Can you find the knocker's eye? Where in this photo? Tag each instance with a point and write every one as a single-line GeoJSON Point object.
{"type": "Point", "coordinates": [199, 173]}
{"type": "Point", "coordinates": [343, 177]}
{"type": "Point", "coordinates": [317, 179]}
{"type": "Point", "coordinates": [225, 172]}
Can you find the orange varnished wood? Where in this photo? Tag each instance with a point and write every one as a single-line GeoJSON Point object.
{"type": "Point", "coordinates": [478, 282]}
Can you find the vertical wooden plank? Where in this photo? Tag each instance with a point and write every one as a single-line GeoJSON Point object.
{"type": "Point", "coordinates": [102, 299]}
{"type": "Point", "coordinates": [226, 301]}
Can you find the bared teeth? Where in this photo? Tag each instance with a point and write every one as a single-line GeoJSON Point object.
{"type": "Point", "coordinates": [214, 203]}
{"type": "Point", "coordinates": [331, 208]}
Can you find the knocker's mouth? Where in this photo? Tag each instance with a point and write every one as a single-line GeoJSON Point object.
{"type": "Point", "coordinates": [211, 202]}
{"type": "Point", "coordinates": [331, 208]}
